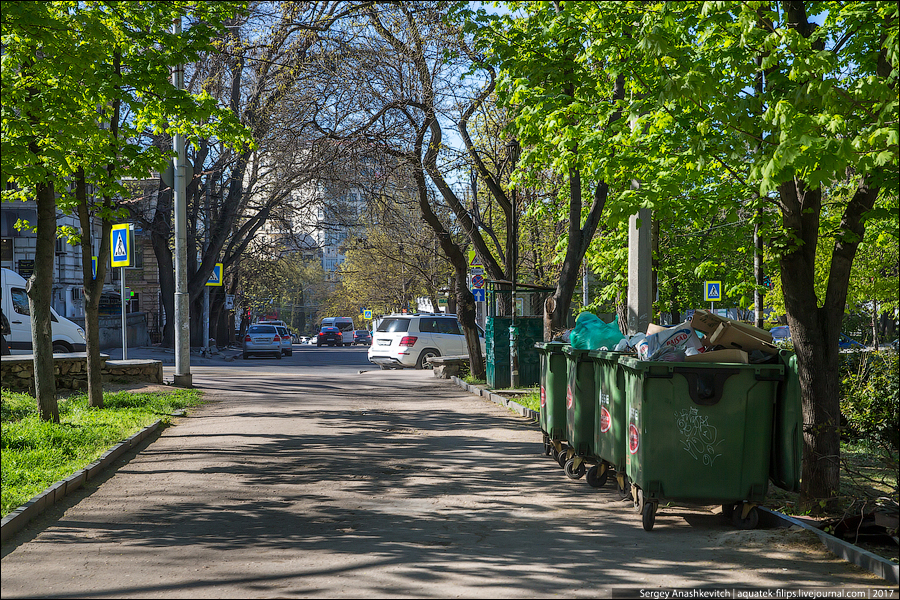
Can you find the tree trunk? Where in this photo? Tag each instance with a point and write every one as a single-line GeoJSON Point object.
{"type": "Point", "coordinates": [40, 290]}
{"type": "Point", "coordinates": [93, 288]}
{"type": "Point", "coordinates": [815, 331]}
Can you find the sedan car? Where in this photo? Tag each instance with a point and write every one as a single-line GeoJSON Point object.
{"type": "Point", "coordinates": [362, 336]}
{"type": "Point", "coordinates": [287, 341]}
{"type": "Point", "coordinates": [262, 339]}
{"type": "Point", "coordinates": [331, 336]}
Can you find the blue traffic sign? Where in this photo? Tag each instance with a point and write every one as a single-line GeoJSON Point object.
{"type": "Point", "coordinates": [120, 245]}
{"type": "Point", "coordinates": [713, 291]}
{"type": "Point", "coordinates": [479, 294]}
{"type": "Point", "coordinates": [215, 278]}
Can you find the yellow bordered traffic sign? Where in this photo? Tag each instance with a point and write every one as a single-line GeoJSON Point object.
{"type": "Point", "coordinates": [712, 291]}
{"type": "Point", "coordinates": [215, 278]}
{"type": "Point", "coordinates": [120, 245]}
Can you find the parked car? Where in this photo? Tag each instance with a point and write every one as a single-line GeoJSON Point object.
{"type": "Point", "coordinates": [781, 334]}
{"type": "Point", "coordinates": [407, 341]}
{"type": "Point", "coordinates": [847, 343]}
{"type": "Point", "coordinates": [262, 339]}
{"type": "Point", "coordinates": [287, 342]}
{"type": "Point", "coordinates": [329, 335]}
{"type": "Point", "coordinates": [362, 336]}
{"type": "Point", "coordinates": [66, 335]}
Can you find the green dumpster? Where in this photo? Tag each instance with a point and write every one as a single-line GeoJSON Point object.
{"type": "Point", "coordinates": [581, 401]}
{"type": "Point", "coordinates": [609, 419]}
{"type": "Point", "coordinates": [787, 434]}
{"type": "Point", "coordinates": [553, 396]}
{"type": "Point", "coordinates": [699, 433]}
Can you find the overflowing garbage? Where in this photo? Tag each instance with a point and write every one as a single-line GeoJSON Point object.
{"type": "Point", "coordinates": [705, 337]}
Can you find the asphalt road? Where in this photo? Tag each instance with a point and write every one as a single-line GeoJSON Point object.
{"type": "Point", "coordinates": [304, 478]}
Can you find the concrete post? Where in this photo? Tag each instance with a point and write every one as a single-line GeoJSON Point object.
{"type": "Point", "coordinates": [640, 280]}
{"type": "Point", "coordinates": [182, 297]}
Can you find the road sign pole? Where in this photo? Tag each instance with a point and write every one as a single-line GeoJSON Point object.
{"type": "Point", "coordinates": [124, 316]}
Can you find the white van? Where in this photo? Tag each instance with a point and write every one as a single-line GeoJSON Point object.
{"type": "Point", "coordinates": [67, 336]}
{"type": "Point", "coordinates": [344, 325]}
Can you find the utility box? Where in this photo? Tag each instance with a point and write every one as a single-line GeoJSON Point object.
{"type": "Point", "coordinates": [520, 306]}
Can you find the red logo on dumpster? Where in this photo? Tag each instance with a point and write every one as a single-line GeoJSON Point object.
{"type": "Point", "coordinates": [633, 438]}
{"type": "Point", "coordinates": [543, 397]}
{"type": "Point", "coordinates": [569, 399]}
{"type": "Point", "coordinates": [605, 420]}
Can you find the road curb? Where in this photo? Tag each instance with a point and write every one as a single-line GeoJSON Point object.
{"type": "Point", "coordinates": [498, 399]}
{"type": "Point", "coordinates": [15, 521]}
{"type": "Point", "coordinates": [873, 563]}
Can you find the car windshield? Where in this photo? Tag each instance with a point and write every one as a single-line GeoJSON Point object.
{"type": "Point", "coordinates": [261, 329]}
{"type": "Point", "coordinates": [393, 325]}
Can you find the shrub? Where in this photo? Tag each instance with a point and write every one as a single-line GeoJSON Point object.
{"type": "Point", "coordinates": [869, 397]}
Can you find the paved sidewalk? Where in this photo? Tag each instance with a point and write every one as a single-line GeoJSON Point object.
{"type": "Point", "coordinates": [296, 482]}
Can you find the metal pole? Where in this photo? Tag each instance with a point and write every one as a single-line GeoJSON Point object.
{"type": "Point", "coordinates": [124, 317]}
{"type": "Point", "coordinates": [205, 345]}
{"type": "Point", "coordinates": [182, 297]}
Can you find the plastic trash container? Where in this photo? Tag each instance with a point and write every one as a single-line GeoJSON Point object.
{"type": "Point", "coordinates": [700, 433]}
{"type": "Point", "coordinates": [787, 433]}
{"type": "Point", "coordinates": [581, 401]}
{"type": "Point", "coordinates": [610, 422]}
{"type": "Point", "coordinates": [553, 396]}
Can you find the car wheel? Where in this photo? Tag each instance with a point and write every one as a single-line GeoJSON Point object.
{"type": "Point", "coordinates": [278, 355]}
{"type": "Point", "coordinates": [246, 356]}
{"type": "Point", "coordinates": [290, 353]}
{"type": "Point", "coordinates": [318, 345]}
{"type": "Point", "coordinates": [426, 354]}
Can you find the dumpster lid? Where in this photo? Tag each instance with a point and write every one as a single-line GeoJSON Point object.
{"type": "Point", "coordinates": [549, 346]}
{"type": "Point", "coordinates": [608, 354]}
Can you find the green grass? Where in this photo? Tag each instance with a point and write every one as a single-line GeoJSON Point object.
{"type": "Point", "coordinates": [37, 454]}
{"type": "Point", "coordinates": [531, 400]}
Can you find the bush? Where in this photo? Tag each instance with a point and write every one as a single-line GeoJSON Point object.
{"type": "Point", "coordinates": [869, 397]}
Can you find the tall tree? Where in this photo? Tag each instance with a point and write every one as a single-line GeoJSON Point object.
{"type": "Point", "coordinates": [103, 79]}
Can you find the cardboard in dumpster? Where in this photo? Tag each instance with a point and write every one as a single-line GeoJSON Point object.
{"type": "Point", "coordinates": [707, 322]}
{"type": "Point", "coordinates": [654, 328]}
{"type": "Point", "coordinates": [731, 355]}
{"type": "Point", "coordinates": [730, 336]}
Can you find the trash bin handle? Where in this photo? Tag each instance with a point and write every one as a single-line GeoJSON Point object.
{"type": "Point", "coordinates": [766, 377]}
{"type": "Point", "coordinates": [706, 385]}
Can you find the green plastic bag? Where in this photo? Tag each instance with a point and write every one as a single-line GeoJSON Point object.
{"type": "Point", "coordinates": [591, 333]}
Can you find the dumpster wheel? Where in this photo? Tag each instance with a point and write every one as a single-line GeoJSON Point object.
{"type": "Point", "coordinates": [637, 496]}
{"type": "Point", "coordinates": [648, 515]}
{"type": "Point", "coordinates": [598, 474]}
{"type": "Point", "coordinates": [575, 468]}
{"type": "Point", "coordinates": [745, 516]}
{"type": "Point", "coordinates": [564, 456]}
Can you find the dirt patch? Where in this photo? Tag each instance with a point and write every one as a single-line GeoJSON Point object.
{"type": "Point", "coordinates": [785, 538]}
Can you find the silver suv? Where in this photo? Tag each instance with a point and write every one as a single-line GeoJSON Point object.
{"type": "Point", "coordinates": [408, 340]}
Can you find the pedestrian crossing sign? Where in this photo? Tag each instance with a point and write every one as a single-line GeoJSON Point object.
{"type": "Point", "coordinates": [367, 314]}
{"type": "Point", "coordinates": [215, 278]}
{"type": "Point", "coordinates": [120, 245]}
{"type": "Point", "coordinates": [713, 291]}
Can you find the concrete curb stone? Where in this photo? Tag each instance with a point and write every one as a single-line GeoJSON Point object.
{"type": "Point", "coordinates": [19, 518]}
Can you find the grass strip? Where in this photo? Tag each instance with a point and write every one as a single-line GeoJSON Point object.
{"type": "Point", "coordinates": [36, 454]}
